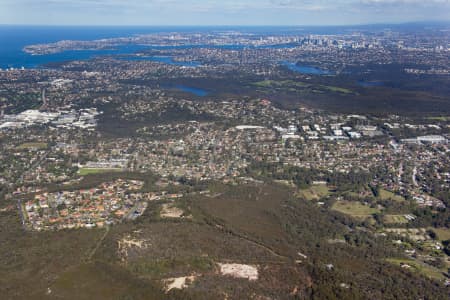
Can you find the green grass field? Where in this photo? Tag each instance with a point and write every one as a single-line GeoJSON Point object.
{"type": "Point", "coordinates": [442, 233]}
{"type": "Point", "coordinates": [294, 86]}
{"type": "Point", "coordinates": [91, 171]}
{"type": "Point", "coordinates": [395, 219]}
{"type": "Point", "coordinates": [336, 89]}
{"type": "Point", "coordinates": [282, 83]}
{"type": "Point", "coordinates": [354, 209]}
{"type": "Point", "coordinates": [443, 119]}
{"type": "Point", "coordinates": [32, 145]}
{"type": "Point", "coordinates": [287, 183]}
{"type": "Point", "coordinates": [315, 192]}
{"type": "Point", "coordinates": [419, 267]}
{"type": "Point", "coordinates": [387, 195]}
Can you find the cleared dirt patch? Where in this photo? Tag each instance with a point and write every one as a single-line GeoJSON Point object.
{"type": "Point", "coordinates": [178, 282]}
{"type": "Point", "coordinates": [170, 211]}
{"type": "Point", "coordinates": [127, 243]}
{"type": "Point", "coordinates": [239, 271]}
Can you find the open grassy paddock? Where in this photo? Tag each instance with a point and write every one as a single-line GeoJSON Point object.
{"type": "Point", "coordinates": [418, 267]}
{"type": "Point", "coordinates": [32, 145]}
{"type": "Point", "coordinates": [387, 195]}
{"type": "Point", "coordinates": [442, 233]}
{"type": "Point", "coordinates": [354, 209]}
{"type": "Point", "coordinates": [314, 192]}
{"type": "Point", "coordinates": [395, 219]}
{"type": "Point", "coordinates": [90, 171]}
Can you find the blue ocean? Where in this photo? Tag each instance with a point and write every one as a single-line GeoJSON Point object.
{"type": "Point", "coordinates": [14, 38]}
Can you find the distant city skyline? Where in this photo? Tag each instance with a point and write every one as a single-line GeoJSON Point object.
{"type": "Point", "coordinates": [215, 12]}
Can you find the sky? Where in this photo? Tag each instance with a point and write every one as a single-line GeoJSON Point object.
{"type": "Point", "coordinates": [221, 12]}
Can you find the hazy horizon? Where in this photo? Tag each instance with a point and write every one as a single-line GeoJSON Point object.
{"type": "Point", "coordinates": [424, 22]}
{"type": "Point", "coordinates": [218, 13]}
